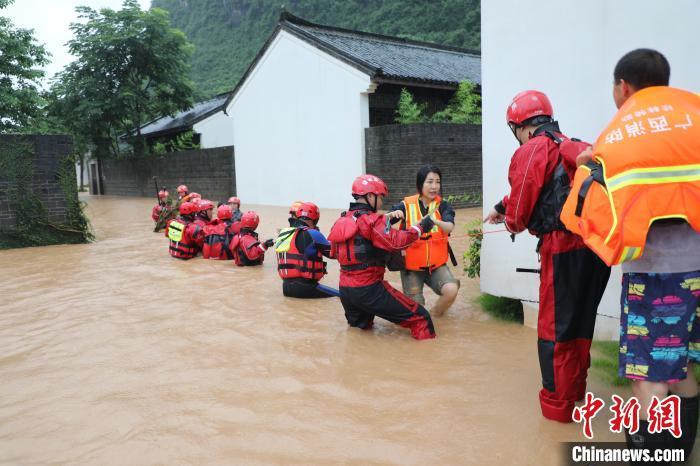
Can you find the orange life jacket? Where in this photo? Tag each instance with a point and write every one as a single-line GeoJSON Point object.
{"type": "Point", "coordinates": [430, 251]}
{"type": "Point", "coordinates": [647, 167]}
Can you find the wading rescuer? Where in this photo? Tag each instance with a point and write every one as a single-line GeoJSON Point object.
{"type": "Point", "coordinates": [572, 277]}
{"type": "Point", "coordinates": [245, 246]}
{"type": "Point", "coordinates": [426, 259]}
{"type": "Point", "coordinates": [235, 204]}
{"type": "Point", "coordinates": [300, 250]}
{"type": "Point", "coordinates": [293, 212]}
{"type": "Point", "coordinates": [182, 191]}
{"type": "Point", "coordinates": [186, 237]}
{"type": "Point", "coordinates": [360, 240]}
{"type": "Point", "coordinates": [162, 206]}
{"type": "Point", "coordinates": [205, 208]}
{"type": "Point", "coordinates": [217, 235]}
{"type": "Point", "coordinates": [635, 201]}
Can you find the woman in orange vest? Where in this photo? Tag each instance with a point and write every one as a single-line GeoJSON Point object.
{"type": "Point", "coordinates": [426, 259]}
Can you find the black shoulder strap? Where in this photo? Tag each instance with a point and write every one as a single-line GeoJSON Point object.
{"type": "Point", "coordinates": [597, 176]}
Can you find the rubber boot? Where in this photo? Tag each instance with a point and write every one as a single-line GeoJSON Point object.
{"type": "Point", "coordinates": [644, 440]}
{"type": "Point", "coordinates": [689, 426]}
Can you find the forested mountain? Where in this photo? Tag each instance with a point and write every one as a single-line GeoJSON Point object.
{"type": "Point", "coordinates": [228, 34]}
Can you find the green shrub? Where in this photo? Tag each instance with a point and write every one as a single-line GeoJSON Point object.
{"type": "Point", "coordinates": [472, 256]}
{"type": "Point", "coordinates": [183, 141]}
{"type": "Point", "coordinates": [409, 111]}
{"type": "Point", "coordinates": [464, 107]}
{"type": "Point", "coordinates": [507, 309]}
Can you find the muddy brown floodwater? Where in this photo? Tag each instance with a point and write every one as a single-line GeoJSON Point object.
{"type": "Point", "coordinates": [113, 353]}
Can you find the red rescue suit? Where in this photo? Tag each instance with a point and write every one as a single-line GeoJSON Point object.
{"type": "Point", "coordinates": [572, 278]}
{"type": "Point", "coordinates": [247, 249]}
{"type": "Point", "coordinates": [155, 213]}
{"type": "Point", "coordinates": [202, 222]}
{"type": "Point", "coordinates": [217, 236]}
{"type": "Point", "coordinates": [360, 241]}
{"type": "Point", "coordinates": [190, 238]}
{"type": "Point", "coordinates": [293, 263]}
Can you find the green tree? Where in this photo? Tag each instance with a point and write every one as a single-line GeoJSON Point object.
{"type": "Point", "coordinates": [20, 60]}
{"type": "Point", "coordinates": [131, 67]}
{"type": "Point", "coordinates": [409, 111]}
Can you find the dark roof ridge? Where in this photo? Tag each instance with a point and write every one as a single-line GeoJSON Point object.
{"type": "Point", "coordinates": [286, 16]}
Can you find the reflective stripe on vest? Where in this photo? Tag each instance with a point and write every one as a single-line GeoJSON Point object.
{"type": "Point", "coordinates": [657, 175]}
{"type": "Point", "coordinates": [647, 163]}
{"type": "Point", "coordinates": [175, 230]}
{"type": "Point", "coordinates": [430, 251]}
{"type": "Point", "coordinates": [284, 239]}
{"type": "Point", "coordinates": [292, 263]}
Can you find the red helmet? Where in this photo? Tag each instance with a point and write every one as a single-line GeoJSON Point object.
{"type": "Point", "coordinates": [365, 184]}
{"type": "Point", "coordinates": [205, 204]}
{"type": "Point", "coordinates": [234, 200]}
{"type": "Point", "coordinates": [293, 208]}
{"type": "Point", "coordinates": [526, 105]}
{"type": "Point", "coordinates": [163, 194]}
{"type": "Point", "coordinates": [194, 196]}
{"type": "Point", "coordinates": [187, 208]}
{"type": "Point", "coordinates": [182, 189]}
{"type": "Point", "coordinates": [308, 210]}
{"type": "Point", "coordinates": [250, 220]}
{"type": "Point", "coordinates": [224, 212]}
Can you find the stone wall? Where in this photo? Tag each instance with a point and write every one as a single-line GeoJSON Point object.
{"type": "Point", "coordinates": [396, 152]}
{"type": "Point", "coordinates": [47, 152]}
{"type": "Point", "coordinates": [210, 172]}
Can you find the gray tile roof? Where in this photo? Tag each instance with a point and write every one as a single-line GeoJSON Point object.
{"type": "Point", "coordinates": [391, 57]}
{"type": "Point", "coordinates": [185, 119]}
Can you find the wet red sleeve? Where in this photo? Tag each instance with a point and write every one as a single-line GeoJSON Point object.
{"type": "Point", "coordinates": [252, 248]}
{"type": "Point", "coordinates": [196, 234]}
{"type": "Point", "coordinates": [527, 172]}
{"type": "Point", "coordinates": [374, 228]}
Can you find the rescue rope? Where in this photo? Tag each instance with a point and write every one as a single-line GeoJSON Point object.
{"type": "Point", "coordinates": [475, 235]}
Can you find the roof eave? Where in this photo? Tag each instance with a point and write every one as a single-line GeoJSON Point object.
{"type": "Point", "coordinates": [406, 81]}
{"type": "Point", "coordinates": [165, 132]}
{"type": "Point", "coordinates": [355, 62]}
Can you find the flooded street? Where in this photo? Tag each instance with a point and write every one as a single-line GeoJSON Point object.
{"type": "Point", "coordinates": [114, 353]}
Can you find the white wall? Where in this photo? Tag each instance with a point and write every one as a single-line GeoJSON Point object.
{"type": "Point", "coordinates": [567, 49]}
{"type": "Point", "coordinates": [215, 131]}
{"type": "Point", "coordinates": [298, 127]}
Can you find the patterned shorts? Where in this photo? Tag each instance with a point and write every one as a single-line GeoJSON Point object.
{"type": "Point", "coordinates": [657, 331]}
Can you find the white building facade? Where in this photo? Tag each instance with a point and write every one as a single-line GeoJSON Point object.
{"type": "Point", "coordinates": [300, 111]}
{"type": "Point", "coordinates": [299, 120]}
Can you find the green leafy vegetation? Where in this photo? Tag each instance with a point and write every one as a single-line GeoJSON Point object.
{"type": "Point", "coordinates": [507, 309]}
{"type": "Point", "coordinates": [131, 67]}
{"type": "Point", "coordinates": [20, 60]}
{"type": "Point", "coordinates": [409, 111]}
{"type": "Point", "coordinates": [184, 141]}
{"type": "Point", "coordinates": [472, 256]}
{"type": "Point", "coordinates": [464, 107]}
{"type": "Point", "coordinates": [228, 34]}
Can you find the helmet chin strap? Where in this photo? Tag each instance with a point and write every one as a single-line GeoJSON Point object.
{"type": "Point", "coordinates": [513, 128]}
{"type": "Point", "coordinates": [374, 207]}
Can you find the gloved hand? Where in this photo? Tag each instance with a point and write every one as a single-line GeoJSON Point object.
{"type": "Point", "coordinates": [269, 243]}
{"type": "Point", "coordinates": [427, 224]}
